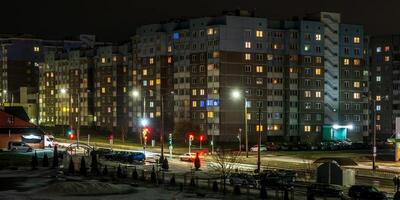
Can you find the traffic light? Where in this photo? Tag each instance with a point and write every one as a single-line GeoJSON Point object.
{"type": "Point", "coordinates": [70, 133]}
{"type": "Point", "coordinates": [201, 138]}
{"type": "Point", "coordinates": [170, 139]}
{"type": "Point", "coordinates": [146, 133]}
{"type": "Point", "coordinates": [191, 137]}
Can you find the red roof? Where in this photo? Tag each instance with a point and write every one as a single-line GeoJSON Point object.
{"type": "Point", "coordinates": [18, 123]}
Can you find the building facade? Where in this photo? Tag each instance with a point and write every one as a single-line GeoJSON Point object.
{"type": "Point", "coordinates": [304, 79]}
{"type": "Point", "coordinates": [385, 83]}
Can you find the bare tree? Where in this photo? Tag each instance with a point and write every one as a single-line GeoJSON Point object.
{"type": "Point", "coordinates": [123, 129]}
{"type": "Point", "coordinates": [224, 163]}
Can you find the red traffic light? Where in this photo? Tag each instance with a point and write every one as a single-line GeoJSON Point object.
{"type": "Point", "coordinates": [71, 136]}
{"type": "Point", "coordinates": [201, 137]}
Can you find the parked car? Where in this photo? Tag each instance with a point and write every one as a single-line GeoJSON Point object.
{"type": "Point", "coordinates": [272, 146]}
{"type": "Point", "coordinates": [242, 179]}
{"type": "Point", "coordinates": [255, 148]}
{"type": "Point", "coordinates": [277, 178]}
{"type": "Point", "coordinates": [366, 192]}
{"type": "Point", "coordinates": [19, 146]}
{"type": "Point", "coordinates": [324, 190]}
{"type": "Point", "coordinates": [188, 157]}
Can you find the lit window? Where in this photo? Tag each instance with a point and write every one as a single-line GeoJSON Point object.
{"type": "Point", "coordinates": [356, 61]}
{"type": "Point", "coordinates": [378, 78]}
{"type": "Point", "coordinates": [158, 81]}
{"type": "Point", "coordinates": [247, 45]}
{"type": "Point", "coordinates": [144, 82]}
{"type": "Point", "coordinates": [259, 69]}
{"type": "Point", "coordinates": [169, 49]}
{"type": "Point", "coordinates": [216, 54]}
{"type": "Point", "coordinates": [356, 84]}
{"type": "Point", "coordinates": [194, 104]}
{"type": "Point", "coordinates": [259, 34]}
{"type": "Point", "coordinates": [103, 90]}
{"type": "Point", "coordinates": [169, 60]}
{"type": "Point", "coordinates": [144, 72]}
{"type": "Point", "coordinates": [202, 92]}
{"type": "Point", "coordinates": [108, 79]}
{"type": "Point", "coordinates": [356, 40]}
{"type": "Point", "coordinates": [387, 58]}
{"type": "Point", "coordinates": [36, 49]}
{"type": "Point", "coordinates": [114, 58]}
{"type": "Point", "coordinates": [356, 95]}
{"type": "Point", "coordinates": [346, 61]}
{"type": "Point", "coordinates": [210, 66]}
{"type": "Point", "coordinates": [318, 59]}
{"type": "Point", "coordinates": [194, 92]}
{"type": "Point", "coordinates": [276, 46]}
{"type": "Point", "coordinates": [307, 47]}
{"type": "Point", "coordinates": [387, 48]}
{"type": "Point", "coordinates": [318, 71]}
{"type": "Point", "coordinates": [248, 116]}
{"type": "Point", "coordinates": [247, 56]}
{"type": "Point", "coordinates": [210, 114]}
{"type": "Point", "coordinates": [151, 82]}
{"type": "Point", "coordinates": [307, 128]}
{"type": "Point", "coordinates": [378, 107]}
{"type": "Point", "coordinates": [318, 94]}
{"type": "Point", "coordinates": [378, 49]}
{"type": "Point", "coordinates": [378, 127]}
{"type": "Point", "coordinates": [109, 109]}
{"type": "Point", "coordinates": [378, 98]}
{"type": "Point", "coordinates": [103, 60]}
{"type": "Point", "coordinates": [291, 70]}
{"type": "Point", "coordinates": [210, 31]}
{"type": "Point", "coordinates": [307, 93]}
{"type": "Point", "coordinates": [151, 60]}
{"type": "Point", "coordinates": [318, 37]}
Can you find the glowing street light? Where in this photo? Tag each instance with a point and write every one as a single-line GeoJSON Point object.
{"type": "Point", "coordinates": [144, 122]}
{"type": "Point", "coordinates": [135, 93]}
{"type": "Point", "coordinates": [237, 94]}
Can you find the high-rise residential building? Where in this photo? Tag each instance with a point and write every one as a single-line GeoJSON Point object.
{"type": "Point", "coordinates": [87, 87]}
{"type": "Point", "coordinates": [385, 83]}
{"type": "Point", "coordinates": [20, 56]}
{"type": "Point", "coordinates": [304, 79]}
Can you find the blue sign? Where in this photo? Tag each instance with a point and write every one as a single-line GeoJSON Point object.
{"type": "Point", "coordinates": [175, 36]}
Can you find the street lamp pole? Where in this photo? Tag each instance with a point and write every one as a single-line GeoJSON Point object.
{"type": "Point", "coordinates": [374, 138]}
{"type": "Point", "coordinates": [246, 128]}
{"type": "Point", "coordinates": [259, 141]}
{"type": "Point", "coordinates": [162, 128]}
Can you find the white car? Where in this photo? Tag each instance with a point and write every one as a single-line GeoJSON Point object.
{"type": "Point", "coordinates": [188, 157]}
{"type": "Point", "coordinates": [255, 148]}
{"type": "Point", "coordinates": [49, 141]}
{"type": "Point", "coordinates": [19, 146]}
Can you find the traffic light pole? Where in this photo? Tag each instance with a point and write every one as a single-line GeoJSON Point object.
{"type": "Point", "coordinates": [162, 129]}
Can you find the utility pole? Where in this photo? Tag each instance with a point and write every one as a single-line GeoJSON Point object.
{"type": "Point", "coordinates": [374, 138]}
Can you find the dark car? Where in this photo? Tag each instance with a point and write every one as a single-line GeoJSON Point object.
{"type": "Point", "coordinates": [366, 192]}
{"type": "Point", "coordinates": [242, 179]}
{"type": "Point", "coordinates": [324, 190]}
{"type": "Point", "coordinates": [277, 178]}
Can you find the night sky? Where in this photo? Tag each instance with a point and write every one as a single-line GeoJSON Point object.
{"type": "Point", "coordinates": [115, 20]}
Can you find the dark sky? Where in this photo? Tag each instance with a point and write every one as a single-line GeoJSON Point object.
{"type": "Point", "coordinates": [115, 20]}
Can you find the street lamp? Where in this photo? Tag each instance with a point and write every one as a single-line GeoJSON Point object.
{"type": "Point", "coordinates": [374, 151]}
{"type": "Point", "coordinates": [64, 91]}
{"type": "Point", "coordinates": [236, 94]}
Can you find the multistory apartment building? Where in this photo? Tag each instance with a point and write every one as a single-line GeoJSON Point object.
{"type": "Point", "coordinates": [385, 82]}
{"type": "Point", "coordinates": [304, 77]}
{"type": "Point", "coordinates": [87, 87]}
{"type": "Point", "coordinates": [20, 56]}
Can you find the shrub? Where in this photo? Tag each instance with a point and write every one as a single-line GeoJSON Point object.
{"type": "Point", "coordinates": [34, 162]}
{"type": "Point", "coordinates": [197, 162]}
{"type": "Point", "coordinates": [83, 170]}
{"type": "Point", "coordinates": [135, 174]}
{"type": "Point", "coordinates": [71, 167]}
{"type": "Point", "coordinates": [215, 186]}
{"type": "Point", "coordinates": [94, 165]}
{"type": "Point", "coordinates": [45, 160]}
{"type": "Point", "coordinates": [105, 171]}
{"type": "Point", "coordinates": [172, 181]}
{"type": "Point", "coordinates": [165, 164]}
{"type": "Point", "coordinates": [153, 175]}
{"type": "Point", "coordinates": [55, 158]}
